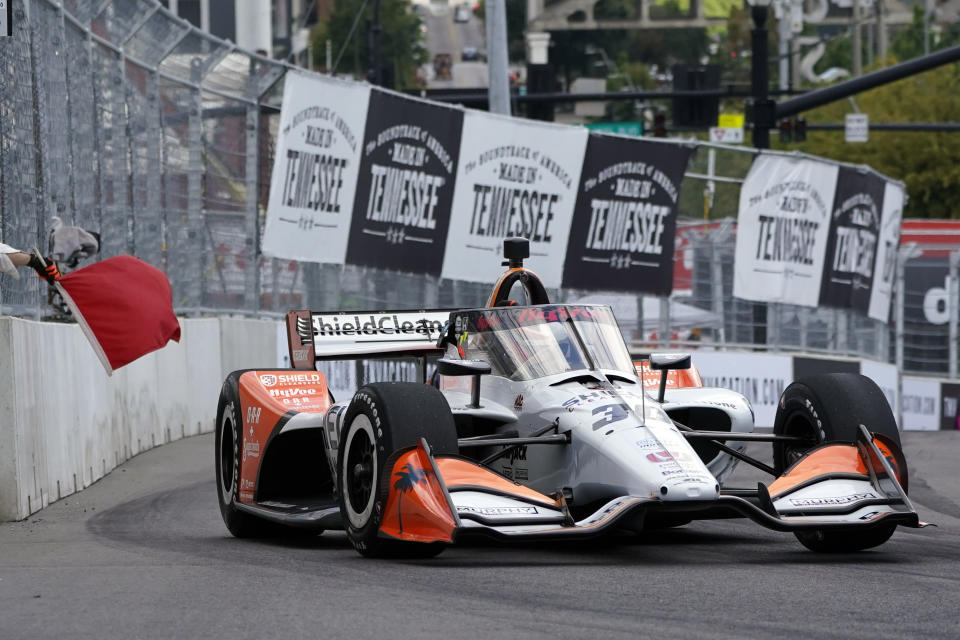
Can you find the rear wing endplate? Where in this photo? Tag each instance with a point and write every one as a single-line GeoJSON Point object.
{"type": "Point", "coordinates": [314, 335]}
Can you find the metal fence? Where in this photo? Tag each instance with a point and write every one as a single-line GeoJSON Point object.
{"type": "Point", "coordinates": [119, 117]}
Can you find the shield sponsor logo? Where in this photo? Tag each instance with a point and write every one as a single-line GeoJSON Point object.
{"type": "Point", "coordinates": [268, 380]}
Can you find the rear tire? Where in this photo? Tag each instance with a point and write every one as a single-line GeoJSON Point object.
{"type": "Point", "coordinates": [382, 418]}
{"type": "Point", "coordinates": [831, 408]}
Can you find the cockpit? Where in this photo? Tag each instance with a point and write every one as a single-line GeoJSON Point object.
{"type": "Point", "coordinates": [526, 343]}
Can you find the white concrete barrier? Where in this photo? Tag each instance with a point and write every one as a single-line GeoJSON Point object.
{"type": "Point", "coordinates": [64, 423]}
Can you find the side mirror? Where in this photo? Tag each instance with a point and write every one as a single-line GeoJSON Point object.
{"type": "Point", "coordinates": [664, 362]}
{"type": "Point", "coordinates": [475, 368]}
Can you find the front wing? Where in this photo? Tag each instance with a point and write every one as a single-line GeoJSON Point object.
{"type": "Point", "coordinates": [442, 498]}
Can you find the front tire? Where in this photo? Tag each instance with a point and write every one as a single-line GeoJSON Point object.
{"type": "Point", "coordinates": [831, 408]}
{"type": "Point", "coordinates": [228, 439]}
{"type": "Point", "coordinates": [382, 418]}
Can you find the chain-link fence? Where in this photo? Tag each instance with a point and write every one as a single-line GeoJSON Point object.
{"type": "Point", "coordinates": [119, 117]}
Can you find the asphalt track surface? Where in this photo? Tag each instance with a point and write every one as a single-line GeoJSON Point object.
{"type": "Point", "coordinates": [143, 554]}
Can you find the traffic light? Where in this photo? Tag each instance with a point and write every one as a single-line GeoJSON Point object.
{"type": "Point", "coordinates": [786, 135]}
{"type": "Point", "coordinates": [800, 130]}
{"type": "Point", "coordinates": [793, 130]}
{"type": "Point", "coordinates": [660, 125]}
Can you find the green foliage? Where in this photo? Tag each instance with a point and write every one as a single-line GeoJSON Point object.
{"type": "Point", "coordinates": [909, 42]}
{"type": "Point", "coordinates": [929, 163]}
{"type": "Point", "coordinates": [400, 39]}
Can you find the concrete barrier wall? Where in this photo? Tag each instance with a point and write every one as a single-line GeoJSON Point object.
{"type": "Point", "coordinates": [64, 423]}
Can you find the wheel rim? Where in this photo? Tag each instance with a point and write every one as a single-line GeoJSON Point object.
{"type": "Point", "coordinates": [799, 426]}
{"type": "Point", "coordinates": [359, 472]}
{"type": "Point", "coordinates": [228, 456]}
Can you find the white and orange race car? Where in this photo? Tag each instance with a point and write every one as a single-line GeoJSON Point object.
{"type": "Point", "coordinates": [537, 423]}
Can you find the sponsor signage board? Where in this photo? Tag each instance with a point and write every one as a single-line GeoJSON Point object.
{"type": "Point", "coordinates": [783, 224]}
{"type": "Point", "coordinates": [760, 377]}
{"type": "Point", "coordinates": [949, 406]}
{"type": "Point", "coordinates": [514, 178]}
{"type": "Point", "coordinates": [881, 293]}
{"type": "Point", "coordinates": [625, 218]}
{"type": "Point", "coordinates": [405, 188]}
{"type": "Point", "coordinates": [920, 404]}
{"type": "Point", "coordinates": [851, 249]}
{"type": "Point", "coordinates": [315, 168]}
{"type": "Point", "coordinates": [815, 234]}
{"type": "Point", "coordinates": [885, 375]}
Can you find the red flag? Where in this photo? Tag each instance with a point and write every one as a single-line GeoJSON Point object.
{"type": "Point", "coordinates": [124, 307]}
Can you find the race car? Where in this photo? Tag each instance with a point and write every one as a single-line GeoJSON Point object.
{"type": "Point", "coordinates": [537, 423]}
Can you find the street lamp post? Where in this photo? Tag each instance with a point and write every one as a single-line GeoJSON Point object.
{"type": "Point", "coordinates": [764, 109]}
{"type": "Point", "coordinates": [764, 117]}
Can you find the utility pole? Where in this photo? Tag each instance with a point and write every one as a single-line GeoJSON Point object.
{"type": "Point", "coordinates": [499, 91]}
{"type": "Point", "coordinates": [377, 76]}
{"type": "Point", "coordinates": [881, 32]}
{"type": "Point", "coordinates": [785, 37]}
{"type": "Point", "coordinates": [857, 49]}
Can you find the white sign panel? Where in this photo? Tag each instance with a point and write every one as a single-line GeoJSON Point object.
{"type": "Point", "coordinates": [315, 168]}
{"type": "Point", "coordinates": [857, 127]}
{"type": "Point", "coordinates": [6, 24]}
{"type": "Point", "coordinates": [885, 375]}
{"type": "Point", "coordinates": [782, 230]}
{"type": "Point", "coordinates": [758, 376]}
{"type": "Point", "coordinates": [515, 177]}
{"type": "Point", "coordinates": [887, 244]}
{"type": "Point", "coordinates": [728, 135]}
{"type": "Point", "coordinates": [921, 404]}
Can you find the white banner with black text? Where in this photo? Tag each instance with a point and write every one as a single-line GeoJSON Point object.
{"type": "Point", "coordinates": [315, 168]}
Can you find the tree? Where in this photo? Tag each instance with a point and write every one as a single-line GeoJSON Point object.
{"type": "Point", "coordinates": [400, 46]}
{"type": "Point", "coordinates": [407, 479]}
{"type": "Point", "coordinates": [929, 163]}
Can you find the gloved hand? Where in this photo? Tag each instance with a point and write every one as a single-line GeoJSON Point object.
{"type": "Point", "coordinates": [48, 272]}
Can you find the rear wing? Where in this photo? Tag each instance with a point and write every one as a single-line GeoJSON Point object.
{"type": "Point", "coordinates": [313, 335]}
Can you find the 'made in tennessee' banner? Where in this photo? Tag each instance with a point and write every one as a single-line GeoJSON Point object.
{"type": "Point", "coordinates": [515, 178]}
{"type": "Point", "coordinates": [782, 230]}
{"type": "Point", "coordinates": [881, 293]}
{"type": "Point", "coordinates": [625, 220]}
{"type": "Point", "coordinates": [851, 250]}
{"type": "Point", "coordinates": [315, 168]}
{"type": "Point", "coordinates": [405, 188]}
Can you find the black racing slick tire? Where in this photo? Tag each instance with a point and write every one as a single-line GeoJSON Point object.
{"type": "Point", "coordinates": [227, 441]}
{"type": "Point", "coordinates": [830, 408]}
{"type": "Point", "coordinates": [382, 418]}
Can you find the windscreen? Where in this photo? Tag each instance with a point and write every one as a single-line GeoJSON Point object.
{"type": "Point", "coordinates": [524, 343]}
